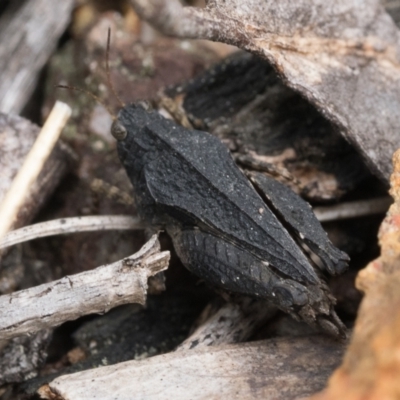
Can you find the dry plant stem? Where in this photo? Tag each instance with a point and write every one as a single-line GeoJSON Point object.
{"type": "Point", "coordinates": [71, 225]}
{"type": "Point", "coordinates": [71, 297]}
{"type": "Point", "coordinates": [353, 209]}
{"type": "Point", "coordinates": [232, 323]}
{"type": "Point", "coordinates": [280, 368]}
{"type": "Point", "coordinates": [29, 35]}
{"type": "Point", "coordinates": [125, 222]}
{"type": "Point", "coordinates": [32, 166]}
{"type": "Point", "coordinates": [17, 136]}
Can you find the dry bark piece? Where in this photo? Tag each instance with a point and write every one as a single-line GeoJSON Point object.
{"type": "Point", "coordinates": [342, 57]}
{"type": "Point", "coordinates": [29, 34]}
{"type": "Point", "coordinates": [371, 365]}
{"type": "Point", "coordinates": [97, 291]}
{"type": "Point", "coordinates": [276, 368]}
{"type": "Point", "coordinates": [232, 323]}
{"type": "Point", "coordinates": [17, 136]}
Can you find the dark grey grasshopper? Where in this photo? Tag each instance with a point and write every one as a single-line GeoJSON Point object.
{"type": "Point", "coordinates": [222, 229]}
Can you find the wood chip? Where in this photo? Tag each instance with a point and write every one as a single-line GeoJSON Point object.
{"type": "Point", "coordinates": [232, 323]}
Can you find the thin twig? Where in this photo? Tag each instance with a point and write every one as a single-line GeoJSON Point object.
{"type": "Point", "coordinates": [71, 297]}
{"type": "Point", "coordinates": [125, 222]}
{"type": "Point", "coordinates": [353, 209]}
{"type": "Point", "coordinates": [32, 166]}
{"type": "Point", "coordinates": [71, 225]}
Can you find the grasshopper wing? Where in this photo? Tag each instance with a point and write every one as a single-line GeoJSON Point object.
{"type": "Point", "coordinates": [299, 216]}
{"type": "Point", "coordinates": [194, 175]}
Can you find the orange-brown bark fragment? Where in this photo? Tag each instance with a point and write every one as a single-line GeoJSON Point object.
{"type": "Point", "coordinates": [371, 366]}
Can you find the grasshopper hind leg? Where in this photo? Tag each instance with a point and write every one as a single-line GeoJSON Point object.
{"type": "Point", "coordinates": [235, 270]}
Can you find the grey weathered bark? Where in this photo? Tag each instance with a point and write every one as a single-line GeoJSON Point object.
{"type": "Point", "coordinates": [28, 37]}
{"type": "Point", "coordinates": [343, 58]}
{"type": "Point", "coordinates": [49, 305]}
{"type": "Point", "coordinates": [21, 357]}
{"type": "Point", "coordinates": [284, 368]}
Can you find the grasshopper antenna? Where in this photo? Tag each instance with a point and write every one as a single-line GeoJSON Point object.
{"type": "Point", "coordinates": [77, 89]}
{"type": "Point", "coordinates": [110, 84]}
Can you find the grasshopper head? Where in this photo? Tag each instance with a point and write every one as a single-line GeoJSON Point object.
{"type": "Point", "coordinates": [131, 118]}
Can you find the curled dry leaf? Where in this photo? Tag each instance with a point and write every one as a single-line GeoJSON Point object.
{"type": "Point", "coordinates": [371, 366]}
{"type": "Point", "coordinates": [343, 57]}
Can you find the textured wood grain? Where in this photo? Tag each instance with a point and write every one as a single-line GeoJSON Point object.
{"type": "Point", "coordinates": [285, 368]}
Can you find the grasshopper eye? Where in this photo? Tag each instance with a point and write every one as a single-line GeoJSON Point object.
{"type": "Point", "coordinates": [118, 130]}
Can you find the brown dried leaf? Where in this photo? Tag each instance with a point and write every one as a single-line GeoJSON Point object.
{"type": "Point", "coordinates": [342, 56]}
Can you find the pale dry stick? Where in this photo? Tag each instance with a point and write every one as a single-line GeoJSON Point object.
{"type": "Point", "coordinates": [353, 209]}
{"type": "Point", "coordinates": [71, 225]}
{"type": "Point", "coordinates": [125, 222]}
{"type": "Point", "coordinates": [96, 291]}
{"type": "Point", "coordinates": [32, 166]}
